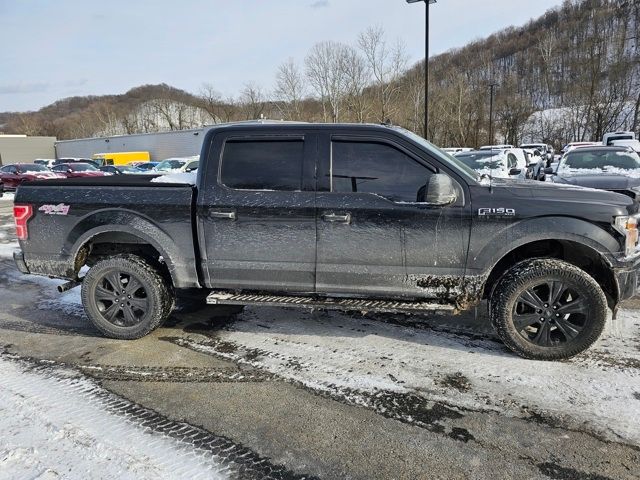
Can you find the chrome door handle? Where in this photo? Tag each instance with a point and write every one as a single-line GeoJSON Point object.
{"type": "Point", "coordinates": [229, 215]}
{"type": "Point", "coordinates": [332, 217]}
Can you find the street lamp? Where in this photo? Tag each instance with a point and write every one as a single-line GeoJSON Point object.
{"type": "Point", "coordinates": [492, 86]}
{"type": "Point", "coordinates": [426, 62]}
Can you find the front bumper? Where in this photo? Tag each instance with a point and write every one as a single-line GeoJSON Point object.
{"type": "Point", "coordinates": [18, 258]}
{"type": "Point", "coordinates": [627, 279]}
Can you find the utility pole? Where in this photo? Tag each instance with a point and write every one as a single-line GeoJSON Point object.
{"type": "Point", "coordinates": [492, 86]}
{"type": "Point", "coordinates": [426, 63]}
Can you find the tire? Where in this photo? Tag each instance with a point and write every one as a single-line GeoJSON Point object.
{"type": "Point", "coordinates": [548, 309]}
{"type": "Point", "coordinates": [145, 305]}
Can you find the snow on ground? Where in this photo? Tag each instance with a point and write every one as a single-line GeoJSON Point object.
{"type": "Point", "coordinates": [7, 197]}
{"type": "Point", "coordinates": [598, 391]}
{"type": "Point", "coordinates": [54, 427]}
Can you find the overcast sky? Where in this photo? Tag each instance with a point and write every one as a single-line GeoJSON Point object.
{"type": "Point", "coordinates": [51, 49]}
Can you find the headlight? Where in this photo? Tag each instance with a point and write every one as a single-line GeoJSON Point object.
{"type": "Point", "coordinates": [628, 226]}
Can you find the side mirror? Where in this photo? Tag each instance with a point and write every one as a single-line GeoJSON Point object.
{"type": "Point", "coordinates": [548, 171]}
{"type": "Point", "coordinates": [440, 191]}
{"type": "Point", "coordinates": [515, 171]}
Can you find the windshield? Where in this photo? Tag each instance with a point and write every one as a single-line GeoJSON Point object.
{"type": "Point", "coordinates": [481, 160]}
{"type": "Point", "coordinates": [167, 165]}
{"type": "Point", "coordinates": [82, 167]}
{"type": "Point", "coordinates": [32, 167]}
{"type": "Point", "coordinates": [461, 167]}
{"type": "Point", "coordinates": [599, 161]}
{"type": "Point", "coordinates": [145, 166]}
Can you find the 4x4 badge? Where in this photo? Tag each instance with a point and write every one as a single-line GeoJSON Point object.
{"type": "Point", "coordinates": [60, 209]}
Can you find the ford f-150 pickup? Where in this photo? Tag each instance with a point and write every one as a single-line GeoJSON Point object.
{"type": "Point", "coordinates": [353, 217]}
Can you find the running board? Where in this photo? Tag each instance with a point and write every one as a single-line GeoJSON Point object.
{"type": "Point", "coordinates": [390, 306]}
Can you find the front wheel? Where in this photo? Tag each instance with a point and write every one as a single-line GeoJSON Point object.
{"type": "Point", "coordinates": [548, 309]}
{"type": "Point", "coordinates": [125, 297]}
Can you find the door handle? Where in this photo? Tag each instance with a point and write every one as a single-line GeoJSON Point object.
{"type": "Point", "coordinates": [332, 217]}
{"type": "Point", "coordinates": [229, 215]}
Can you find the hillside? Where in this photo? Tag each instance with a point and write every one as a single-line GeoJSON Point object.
{"type": "Point", "coordinates": [572, 74]}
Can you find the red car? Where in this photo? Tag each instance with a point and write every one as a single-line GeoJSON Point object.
{"type": "Point", "coordinates": [14, 175]}
{"type": "Point", "coordinates": [75, 170]}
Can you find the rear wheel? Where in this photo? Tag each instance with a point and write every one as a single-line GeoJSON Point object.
{"type": "Point", "coordinates": [125, 297]}
{"type": "Point", "coordinates": [548, 309]}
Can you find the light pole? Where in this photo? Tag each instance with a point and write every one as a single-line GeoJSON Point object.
{"type": "Point", "coordinates": [492, 86]}
{"type": "Point", "coordinates": [426, 63]}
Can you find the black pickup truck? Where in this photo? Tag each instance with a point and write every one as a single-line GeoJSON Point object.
{"type": "Point", "coordinates": [353, 217]}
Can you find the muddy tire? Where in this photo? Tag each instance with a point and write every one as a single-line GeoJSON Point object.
{"type": "Point", "coordinates": [547, 309]}
{"type": "Point", "coordinates": [125, 297]}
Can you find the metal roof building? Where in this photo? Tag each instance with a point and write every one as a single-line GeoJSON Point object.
{"type": "Point", "coordinates": [25, 149]}
{"type": "Point", "coordinates": [181, 143]}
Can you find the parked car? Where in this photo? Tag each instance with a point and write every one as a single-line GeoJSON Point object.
{"type": "Point", "coordinates": [148, 167]}
{"type": "Point", "coordinates": [573, 145]}
{"type": "Point", "coordinates": [120, 170]}
{"type": "Point", "coordinates": [616, 169]}
{"type": "Point", "coordinates": [495, 147]}
{"type": "Point", "coordinates": [14, 175]}
{"type": "Point", "coordinates": [622, 139]}
{"type": "Point", "coordinates": [178, 165]}
{"type": "Point", "coordinates": [78, 170]}
{"type": "Point", "coordinates": [495, 163]}
{"type": "Point", "coordinates": [60, 161]}
{"type": "Point", "coordinates": [453, 150]}
{"type": "Point", "coordinates": [47, 162]}
{"type": "Point", "coordinates": [546, 150]}
{"type": "Point", "coordinates": [354, 217]}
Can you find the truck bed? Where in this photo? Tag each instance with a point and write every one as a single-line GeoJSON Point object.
{"type": "Point", "coordinates": [105, 210]}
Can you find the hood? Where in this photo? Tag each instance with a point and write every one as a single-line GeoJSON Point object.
{"type": "Point", "coordinates": [604, 181]}
{"type": "Point", "coordinates": [547, 198]}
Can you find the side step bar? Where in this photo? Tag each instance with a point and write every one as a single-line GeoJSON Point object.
{"type": "Point", "coordinates": [390, 306]}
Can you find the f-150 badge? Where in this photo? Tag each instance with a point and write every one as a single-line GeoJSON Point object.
{"type": "Point", "coordinates": [502, 212]}
{"type": "Point", "coordinates": [60, 209]}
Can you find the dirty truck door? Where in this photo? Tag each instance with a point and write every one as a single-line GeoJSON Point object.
{"type": "Point", "coordinates": [376, 234]}
{"type": "Point", "coordinates": [257, 220]}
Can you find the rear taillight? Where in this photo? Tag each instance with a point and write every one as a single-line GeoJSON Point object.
{"type": "Point", "coordinates": [22, 214]}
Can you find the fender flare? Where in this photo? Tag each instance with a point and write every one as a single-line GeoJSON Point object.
{"type": "Point", "coordinates": [122, 221]}
{"type": "Point", "coordinates": [515, 235]}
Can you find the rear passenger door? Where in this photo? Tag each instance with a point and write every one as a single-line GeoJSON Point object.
{"type": "Point", "coordinates": [258, 212]}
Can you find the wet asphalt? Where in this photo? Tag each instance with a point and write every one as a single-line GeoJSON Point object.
{"type": "Point", "coordinates": [267, 426]}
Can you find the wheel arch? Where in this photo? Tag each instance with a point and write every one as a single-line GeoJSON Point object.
{"type": "Point", "coordinates": [577, 253]}
{"type": "Point", "coordinates": [113, 232]}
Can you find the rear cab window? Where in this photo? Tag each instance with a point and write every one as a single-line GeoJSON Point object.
{"type": "Point", "coordinates": [263, 164]}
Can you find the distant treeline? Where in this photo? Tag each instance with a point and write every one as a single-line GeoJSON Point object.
{"type": "Point", "coordinates": [572, 74]}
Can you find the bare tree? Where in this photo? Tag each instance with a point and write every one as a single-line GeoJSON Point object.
{"type": "Point", "coordinates": [387, 64]}
{"type": "Point", "coordinates": [357, 79]}
{"type": "Point", "coordinates": [252, 101]}
{"type": "Point", "coordinates": [211, 102]}
{"type": "Point", "coordinates": [324, 68]}
{"type": "Point", "coordinates": [290, 90]}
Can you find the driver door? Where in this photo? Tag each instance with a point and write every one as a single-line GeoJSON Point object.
{"type": "Point", "coordinates": [376, 235]}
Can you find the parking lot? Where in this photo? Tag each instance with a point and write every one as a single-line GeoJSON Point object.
{"type": "Point", "coordinates": [279, 393]}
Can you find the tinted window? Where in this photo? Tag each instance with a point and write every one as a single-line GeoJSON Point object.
{"type": "Point", "coordinates": [263, 165]}
{"type": "Point", "coordinates": [82, 167]}
{"type": "Point", "coordinates": [9, 169]}
{"type": "Point", "coordinates": [377, 168]}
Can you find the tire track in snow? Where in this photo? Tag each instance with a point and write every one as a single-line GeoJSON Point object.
{"type": "Point", "coordinates": [72, 406]}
